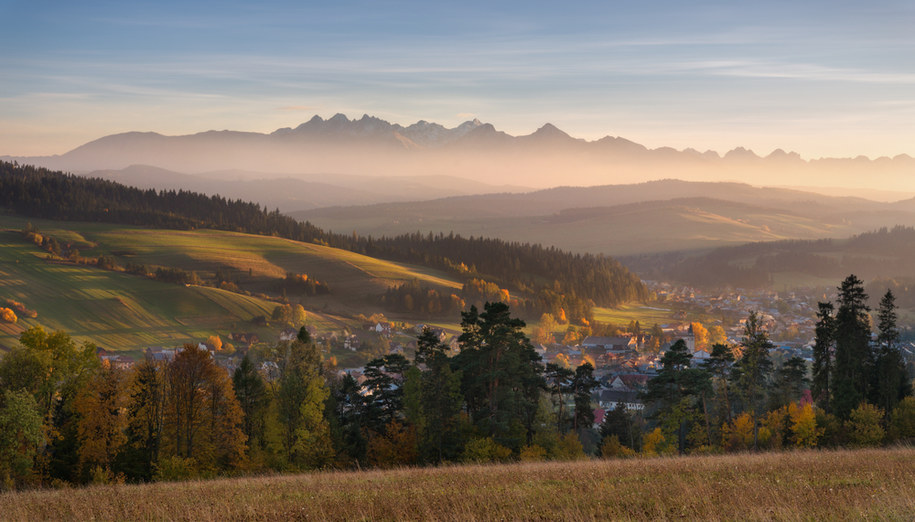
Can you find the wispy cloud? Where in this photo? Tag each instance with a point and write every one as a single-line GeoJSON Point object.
{"type": "Point", "coordinates": [297, 108]}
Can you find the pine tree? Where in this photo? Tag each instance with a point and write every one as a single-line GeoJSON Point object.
{"type": "Point", "coordinates": [753, 370]}
{"type": "Point", "coordinates": [582, 385]}
{"type": "Point", "coordinates": [854, 359]}
{"type": "Point", "coordinates": [675, 394]}
{"type": "Point", "coordinates": [501, 374]}
{"type": "Point", "coordinates": [823, 356]}
{"type": "Point", "coordinates": [890, 383]}
{"type": "Point", "coordinates": [251, 393]}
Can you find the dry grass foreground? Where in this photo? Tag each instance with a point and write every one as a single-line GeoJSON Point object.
{"type": "Point", "coordinates": [810, 485]}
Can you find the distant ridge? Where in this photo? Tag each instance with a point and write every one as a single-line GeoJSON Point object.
{"type": "Point", "coordinates": [476, 150]}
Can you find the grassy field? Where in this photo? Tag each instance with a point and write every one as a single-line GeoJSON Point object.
{"type": "Point", "coordinates": [646, 315]}
{"type": "Point", "coordinates": [810, 485]}
{"type": "Point", "coordinates": [125, 312]}
{"type": "Point", "coordinates": [353, 278]}
{"type": "Point", "coordinates": [115, 310]}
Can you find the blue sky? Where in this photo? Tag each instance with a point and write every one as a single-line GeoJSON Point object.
{"type": "Point", "coordinates": [822, 78]}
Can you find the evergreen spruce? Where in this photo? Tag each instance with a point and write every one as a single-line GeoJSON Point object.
{"type": "Point", "coordinates": [854, 358]}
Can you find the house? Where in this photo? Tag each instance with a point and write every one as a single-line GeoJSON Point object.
{"type": "Point", "coordinates": [352, 343]}
{"type": "Point", "coordinates": [160, 354]}
{"type": "Point", "coordinates": [382, 328]}
{"type": "Point", "coordinates": [616, 344]}
{"type": "Point", "coordinates": [635, 381]}
{"type": "Point", "coordinates": [612, 399]}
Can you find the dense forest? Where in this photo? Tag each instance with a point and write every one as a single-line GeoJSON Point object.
{"type": "Point", "coordinates": [534, 270]}
{"type": "Point", "coordinates": [882, 254]}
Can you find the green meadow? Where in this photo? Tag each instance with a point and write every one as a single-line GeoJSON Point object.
{"type": "Point", "coordinates": [126, 312]}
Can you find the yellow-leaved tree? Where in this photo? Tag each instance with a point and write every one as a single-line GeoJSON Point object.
{"type": "Point", "coordinates": [203, 420]}
{"type": "Point", "coordinates": [738, 435]}
{"type": "Point", "coordinates": [701, 335]}
{"type": "Point", "coordinates": [101, 410]}
{"type": "Point", "coordinates": [804, 432]}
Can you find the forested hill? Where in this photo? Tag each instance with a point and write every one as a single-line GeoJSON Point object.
{"type": "Point", "coordinates": [533, 269]}
{"type": "Point", "coordinates": [883, 256]}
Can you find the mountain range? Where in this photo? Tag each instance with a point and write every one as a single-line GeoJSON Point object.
{"type": "Point", "coordinates": [473, 150]}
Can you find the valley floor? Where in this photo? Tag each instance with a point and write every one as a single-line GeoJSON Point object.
{"type": "Point", "coordinates": [804, 485]}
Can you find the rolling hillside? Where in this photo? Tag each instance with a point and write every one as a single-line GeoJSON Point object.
{"type": "Point", "coordinates": [882, 257]}
{"type": "Point", "coordinates": [123, 311]}
{"type": "Point", "coordinates": [667, 215]}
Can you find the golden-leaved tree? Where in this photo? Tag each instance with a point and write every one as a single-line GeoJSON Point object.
{"type": "Point", "coordinates": [202, 418]}
{"type": "Point", "coordinates": [100, 407]}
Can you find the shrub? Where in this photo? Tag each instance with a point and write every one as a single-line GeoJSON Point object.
{"type": "Point", "coordinates": [902, 420]}
{"type": "Point", "coordinates": [569, 448]}
{"type": "Point", "coordinates": [532, 453]}
{"type": "Point", "coordinates": [611, 448]}
{"type": "Point", "coordinates": [864, 427]}
{"type": "Point", "coordinates": [175, 468]}
{"type": "Point", "coordinates": [8, 316]}
{"type": "Point", "coordinates": [485, 450]}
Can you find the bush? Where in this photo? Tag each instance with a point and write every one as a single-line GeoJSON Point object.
{"type": "Point", "coordinates": [175, 469]}
{"type": "Point", "coordinates": [532, 453]}
{"type": "Point", "coordinates": [485, 450]}
{"type": "Point", "coordinates": [8, 316]}
{"type": "Point", "coordinates": [864, 427]}
{"type": "Point", "coordinates": [611, 448]}
{"type": "Point", "coordinates": [902, 420]}
{"type": "Point", "coordinates": [569, 448]}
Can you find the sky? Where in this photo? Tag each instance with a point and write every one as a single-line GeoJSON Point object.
{"type": "Point", "coordinates": [823, 78]}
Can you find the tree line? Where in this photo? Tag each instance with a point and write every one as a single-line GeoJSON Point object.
{"type": "Point", "coordinates": [737, 399]}
{"type": "Point", "coordinates": [67, 418]}
{"type": "Point", "coordinates": [529, 269]}
{"type": "Point", "coordinates": [727, 267]}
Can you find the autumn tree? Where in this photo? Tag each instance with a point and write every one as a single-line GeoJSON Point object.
{"type": "Point", "coordinates": [701, 335]}
{"type": "Point", "coordinates": [100, 407]}
{"type": "Point", "coordinates": [48, 365]}
{"type": "Point", "coordinates": [544, 332]}
{"type": "Point", "coordinates": [145, 421]}
{"type": "Point", "coordinates": [865, 425]}
{"type": "Point", "coordinates": [717, 335]}
{"type": "Point", "coordinates": [202, 416]}
{"type": "Point", "coordinates": [215, 341]}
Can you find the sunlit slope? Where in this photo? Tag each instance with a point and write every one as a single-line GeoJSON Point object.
{"type": "Point", "coordinates": [656, 226]}
{"type": "Point", "coordinates": [115, 310]}
{"type": "Point", "coordinates": [134, 311]}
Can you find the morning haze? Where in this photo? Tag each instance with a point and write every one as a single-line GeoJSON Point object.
{"type": "Point", "coordinates": [411, 260]}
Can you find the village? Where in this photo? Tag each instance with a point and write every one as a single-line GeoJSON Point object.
{"type": "Point", "coordinates": [623, 363]}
